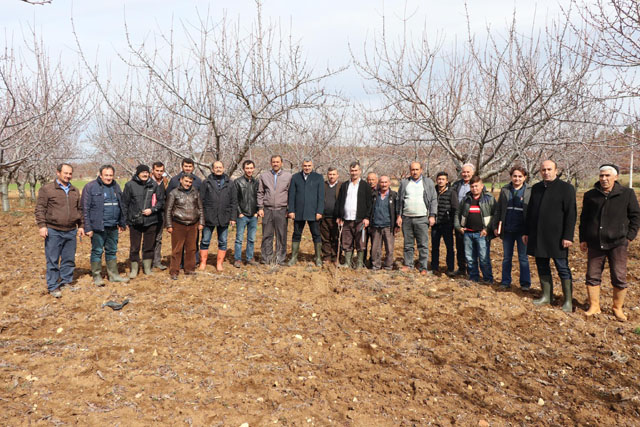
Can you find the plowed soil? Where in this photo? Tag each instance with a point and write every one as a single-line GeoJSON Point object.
{"type": "Point", "coordinates": [305, 346]}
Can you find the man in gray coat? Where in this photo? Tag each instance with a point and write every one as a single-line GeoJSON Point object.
{"type": "Point", "coordinates": [418, 208]}
{"type": "Point", "coordinates": [273, 196]}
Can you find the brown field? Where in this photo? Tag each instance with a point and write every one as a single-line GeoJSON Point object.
{"type": "Point", "coordinates": [305, 346]}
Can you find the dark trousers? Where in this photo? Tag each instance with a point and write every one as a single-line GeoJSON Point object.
{"type": "Point", "coordinates": [460, 255]}
{"type": "Point", "coordinates": [183, 237]}
{"type": "Point", "coordinates": [145, 236]}
{"type": "Point", "coordinates": [298, 227]}
{"type": "Point", "coordinates": [329, 234]}
{"type": "Point", "coordinates": [380, 236]}
{"type": "Point", "coordinates": [617, 258]}
{"type": "Point", "coordinates": [352, 237]}
{"type": "Point", "coordinates": [60, 252]}
{"type": "Point", "coordinates": [562, 265]}
{"type": "Point", "coordinates": [444, 231]}
{"type": "Point", "coordinates": [157, 248]}
{"type": "Point", "coordinates": [274, 224]}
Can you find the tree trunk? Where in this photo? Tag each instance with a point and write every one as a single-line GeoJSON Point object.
{"type": "Point", "coordinates": [4, 189]}
{"type": "Point", "coordinates": [21, 192]}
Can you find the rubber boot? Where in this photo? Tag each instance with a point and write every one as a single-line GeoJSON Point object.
{"type": "Point", "coordinates": [360, 260]}
{"type": "Point", "coordinates": [295, 248]}
{"type": "Point", "coordinates": [112, 272]}
{"type": "Point", "coordinates": [204, 254]}
{"type": "Point", "coordinates": [594, 300]}
{"type": "Point", "coordinates": [618, 302]}
{"type": "Point", "coordinates": [220, 259]}
{"type": "Point", "coordinates": [134, 270]}
{"type": "Point", "coordinates": [96, 272]}
{"type": "Point", "coordinates": [567, 291]}
{"type": "Point", "coordinates": [347, 259]}
{"type": "Point", "coordinates": [547, 291]}
{"type": "Point", "coordinates": [318, 248]}
{"type": "Point", "coordinates": [146, 266]}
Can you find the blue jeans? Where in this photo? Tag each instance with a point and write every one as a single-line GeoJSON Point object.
{"type": "Point", "coordinates": [60, 252]}
{"type": "Point", "coordinates": [509, 239]}
{"type": "Point", "coordinates": [104, 241]}
{"type": "Point", "coordinates": [207, 232]}
{"type": "Point", "coordinates": [562, 265]}
{"type": "Point", "coordinates": [444, 231]}
{"type": "Point", "coordinates": [476, 248]}
{"type": "Point", "coordinates": [251, 223]}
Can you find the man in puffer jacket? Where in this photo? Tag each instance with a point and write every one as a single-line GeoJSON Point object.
{"type": "Point", "coordinates": [103, 220]}
{"type": "Point", "coordinates": [473, 220]}
{"type": "Point", "coordinates": [184, 216]}
{"type": "Point", "coordinates": [141, 201]}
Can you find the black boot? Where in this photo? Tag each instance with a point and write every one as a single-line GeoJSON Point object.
{"type": "Point", "coordinates": [546, 282]}
{"type": "Point", "coordinates": [96, 272]}
{"type": "Point", "coordinates": [347, 259]}
{"type": "Point", "coordinates": [567, 291]}
{"type": "Point", "coordinates": [295, 248]}
{"type": "Point", "coordinates": [318, 254]}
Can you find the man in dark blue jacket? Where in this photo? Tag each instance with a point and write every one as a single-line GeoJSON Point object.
{"type": "Point", "coordinates": [306, 205]}
{"type": "Point", "coordinates": [220, 201]}
{"type": "Point", "coordinates": [103, 219]}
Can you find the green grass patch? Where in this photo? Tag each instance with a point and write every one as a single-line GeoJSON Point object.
{"type": "Point", "coordinates": [637, 330]}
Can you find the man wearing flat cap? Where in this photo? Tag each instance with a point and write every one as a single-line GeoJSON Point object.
{"type": "Point", "coordinates": [609, 221]}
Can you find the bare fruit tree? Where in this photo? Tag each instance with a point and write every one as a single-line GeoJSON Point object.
{"type": "Point", "coordinates": [42, 112]}
{"type": "Point", "coordinates": [485, 101]}
{"type": "Point", "coordinates": [226, 92]}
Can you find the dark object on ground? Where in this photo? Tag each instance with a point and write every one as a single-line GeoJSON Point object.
{"type": "Point", "coordinates": [114, 305]}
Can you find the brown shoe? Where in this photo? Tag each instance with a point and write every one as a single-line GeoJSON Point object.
{"type": "Point", "coordinates": [237, 263]}
{"type": "Point", "coordinates": [252, 262]}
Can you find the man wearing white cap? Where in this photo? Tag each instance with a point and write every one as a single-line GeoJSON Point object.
{"type": "Point", "coordinates": [609, 221]}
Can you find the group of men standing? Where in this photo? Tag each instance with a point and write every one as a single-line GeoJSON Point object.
{"type": "Point", "coordinates": [342, 218]}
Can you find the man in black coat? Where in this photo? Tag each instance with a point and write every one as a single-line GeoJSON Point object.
{"type": "Point", "coordinates": [353, 214]}
{"type": "Point", "coordinates": [141, 201]}
{"type": "Point", "coordinates": [549, 225]}
{"type": "Point", "coordinates": [306, 205]}
{"type": "Point", "coordinates": [220, 202]}
{"type": "Point", "coordinates": [609, 221]}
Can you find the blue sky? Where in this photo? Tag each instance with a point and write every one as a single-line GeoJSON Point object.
{"type": "Point", "coordinates": [324, 28]}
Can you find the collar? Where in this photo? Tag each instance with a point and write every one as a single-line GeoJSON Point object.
{"type": "Point", "coordinates": [275, 173]}
{"type": "Point", "coordinates": [62, 185]}
{"type": "Point", "coordinates": [356, 183]}
{"type": "Point", "coordinates": [416, 180]}
{"type": "Point", "coordinates": [332, 185]}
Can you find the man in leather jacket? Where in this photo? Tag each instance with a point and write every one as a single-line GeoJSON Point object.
{"type": "Point", "coordinates": [184, 216]}
{"type": "Point", "coordinates": [247, 193]}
